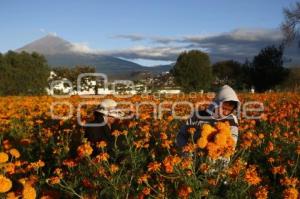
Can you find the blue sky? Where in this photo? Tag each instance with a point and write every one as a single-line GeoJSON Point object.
{"type": "Point", "coordinates": [110, 25]}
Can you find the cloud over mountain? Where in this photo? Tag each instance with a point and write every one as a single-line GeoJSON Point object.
{"type": "Point", "coordinates": [238, 44]}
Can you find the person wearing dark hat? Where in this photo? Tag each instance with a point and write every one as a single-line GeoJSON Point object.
{"type": "Point", "coordinates": [106, 120]}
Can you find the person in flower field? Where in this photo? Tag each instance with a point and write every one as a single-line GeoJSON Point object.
{"type": "Point", "coordinates": [221, 109]}
{"type": "Point", "coordinates": [106, 121]}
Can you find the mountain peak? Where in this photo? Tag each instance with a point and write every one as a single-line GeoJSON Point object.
{"type": "Point", "coordinates": [48, 45]}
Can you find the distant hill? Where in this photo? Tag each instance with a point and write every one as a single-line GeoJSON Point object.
{"type": "Point", "coordinates": [60, 52]}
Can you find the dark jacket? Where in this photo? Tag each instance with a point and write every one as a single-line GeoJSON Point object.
{"type": "Point", "coordinates": [96, 134]}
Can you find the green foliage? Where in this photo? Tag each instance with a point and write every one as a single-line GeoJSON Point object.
{"type": "Point", "coordinates": [23, 74]}
{"type": "Point", "coordinates": [192, 71]}
{"type": "Point", "coordinates": [267, 69]}
{"type": "Point", "coordinates": [232, 73]}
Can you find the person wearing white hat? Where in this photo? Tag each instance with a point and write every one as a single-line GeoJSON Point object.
{"type": "Point", "coordinates": [106, 118]}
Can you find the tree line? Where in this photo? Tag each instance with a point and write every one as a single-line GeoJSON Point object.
{"type": "Point", "coordinates": [193, 71]}
{"type": "Point", "coordinates": [23, 73]}
{"type": "Point", "coordinates": [29, 74]}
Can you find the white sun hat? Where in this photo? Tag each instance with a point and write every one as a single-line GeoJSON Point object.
{"type": "Point", "coordinates": [108, 108]}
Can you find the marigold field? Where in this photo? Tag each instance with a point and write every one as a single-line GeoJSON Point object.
{"type": "Point", "coordinates": [44, 157]}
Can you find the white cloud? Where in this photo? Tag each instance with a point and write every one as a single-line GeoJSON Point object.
{"type": "Point", "coordinates": [53, 34]}
{"type": "Point", "coordinates": [82, 48]}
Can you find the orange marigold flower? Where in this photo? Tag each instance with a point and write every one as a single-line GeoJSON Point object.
{"type": "Point", "coordinates": [124, 132]}
{"type": "Point", "coordinates": [102, 157]}
{"type": "Point", "coordinates": [163, 136]}
{"type": "Point", "coordinates": [6, 144]}
{"type": "Point", "coordinates": [271, 160]}
{"type": "Point", "coordinates": [289, 182]}
{"type": "Point", "coordinates": [212, 182]}
{"type": "Point", "coordinates": [186, 163]}
{"type": "Point", "coordinates": [15, 153]}
{"type": "Point", "coordinates": [166, 144]}
{"type": "Point", "coordinates": [116, 133]}
{"type": "Point", "coordinates": [69, 163]}
{"type": "Point", "coordinates": [290, 193]}
{"type": "Point", "coordinates": [11, 195]}
{"type": "Point", "coordinates": [184, 192]}
{"type": "Point", "coordinates": [114, 168]}
{"type": "Point", "coordinates": [262, 192]}
{"type": "Point", "coordinates": [28, 192]}
{"type": "Point", "coordinates": [269, 148]}
{"type": "Point", "coordinates": [146, 191]}
{"type": "Point", "coordinates": [84, 150]}
{"type": "Point", "coordinates": [154, 166]}
{"type": "Point", "coordinates": [251, 175]}
{"type": "Point", "coordinates": [202, 142]}
{"type": "Point", "coordinates": [221, 139]}
{"type": "Point", "coordinates": [143, 179]}
{"type": "Point", "coordinates": [235, 170]}
{"type": "Point", "coordinates": [278, 170]}
{"type": "Point", "coordinates": [5, 183]}
{"type": "Point", "coordinates": [53, 180]}
{"type": "Point", "coordinates": [214, 151]}
{"type": "Point", "coordinates": [3, 157]}
{"type": "Point", "coordinates": [102, 144]}
{"type": "Point", "coordinates": [192, 130]}
{"type": "Point", "coordinates": [169, 163]}
{"type": "Point", "coordinates": [9, 168]}
{"type": "Point", "coordinates": [207, 130]}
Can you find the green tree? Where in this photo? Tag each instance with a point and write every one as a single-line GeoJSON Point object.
{"type": "Point", "coordinates": [192, 71]}
{"type": "Point", "coordinates": [23, 74]}
{"type": "Point", "coordinates": [230, 72]}
{"type": "Point", "coordinates": [267, 69]}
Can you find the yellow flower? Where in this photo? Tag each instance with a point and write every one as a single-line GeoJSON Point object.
{"type": "Point", "coordinates": [15, 153]}
{"type": "Point", "coordinates": [28, 192]}
{"type": "Point", "coordinates": [207, 130]}
{"type": "Point", "coordinates": [3, 157]}
{"type": "Point", "coordinates": [5, 183]}
{"type": "Point", "coordinates": [221, 139]}
{"type": "Point", "coordinates": [11, 195]}
{"type": "Point", "coordinates": [202, 142]}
